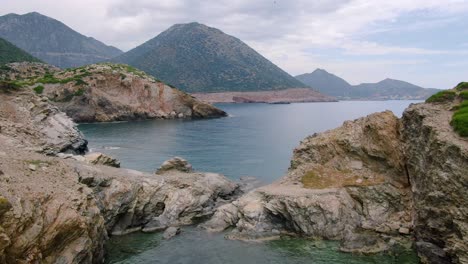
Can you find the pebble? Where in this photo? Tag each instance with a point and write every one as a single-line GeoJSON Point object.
{"type": "Point", "coordinates": [32, 167]}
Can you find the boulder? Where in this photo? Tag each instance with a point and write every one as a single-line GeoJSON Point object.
{"type": "Point", "coordinates": [176, 163]}
{"type": "Point", "coordinates": [98, 158]}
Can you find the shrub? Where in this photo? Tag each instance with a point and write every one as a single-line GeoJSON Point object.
{"type": "Point", "coordinates": [460, 120]}
{"type": "Point", "coordinates": [462, 86]}
{"type": "Point", "coordinates": [39, 89]}
{"type": "Point", "coordinates": [442, 96]}
{"type": "Point", "coordinates": [48, 78]}
{"type": "Point", "coordinates": [460, 124]}
{"type": "Point", "coordinates": [80, 82]}
{"type": "Point", "coordinates": [464, 95]}
{"type": "Point", "coordinates": [79, 92]}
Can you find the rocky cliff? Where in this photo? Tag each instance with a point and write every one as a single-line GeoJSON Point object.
{"type": "Point", "coordinates": [437, 164]}
{"type": "Point", "coordinates": [108, 92]}
{"type": "Point", "coordinates": [375, 184]}
{"type": "Point", "coordinates": [59, 208]}
{"type": "Point", "coordinates": [347, 184]}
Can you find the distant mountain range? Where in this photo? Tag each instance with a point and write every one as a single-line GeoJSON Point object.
{"type": "Point", "coordinates": [52, 41]}
{"type": "Point", "coordinates": [330, 84]}
{"type": "Point", "coordinates": [197, 58]}
{"type": "Point", "coordinates": [193, 57]}
{"type": "Point", "coordinates": [10, 53]}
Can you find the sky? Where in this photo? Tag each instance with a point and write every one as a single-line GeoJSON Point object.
{"type": "Point", "coordinates": [424, 42]}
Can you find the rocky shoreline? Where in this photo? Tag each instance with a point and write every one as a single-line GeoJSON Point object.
{"type": "Point", "coordinates": [296, 95]}
{"type": "Point", "coordinates": [375, 184]}
{"type": "Point", "coordinates": [61, 208]}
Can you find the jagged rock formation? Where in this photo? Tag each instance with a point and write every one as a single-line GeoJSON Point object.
{"type": "Point", "coordinates": [97, 158]}
{"type": "Point", "coordinates": [10, 53]}
{"type": "Point", "coordinates": [52, 41]}
{"type": "Point", "coordinates": [108, 92]}
{"type": "Point", "coordinates": [197, 58]}
{"type": "Point", "coordinates": [48, 130]}
{"type": "Point", "coordinates": [55, 209]}
{"type": "Point", "coordinates": [347, 184]}
{"type": "Point", "coordinates": [437, 163]}
{"type": "Point", "coordinates": [373, 183]}
{"type": "Point", "coordinates": [388, 89]}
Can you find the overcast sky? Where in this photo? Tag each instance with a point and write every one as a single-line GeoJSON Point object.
{"type": "Point", "coordinates": [421, 41]}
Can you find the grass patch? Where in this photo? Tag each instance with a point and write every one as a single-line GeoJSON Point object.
{"type": "Point", "coordinates": [460, 120]}
{"type": "Point", "coordinates": [39, 89]}
{"type": "Point", "coordinates": [48, 78]}
{"type": "Point", "coordinates": [442, 96]}
{"type": "Point", "coordinates": [464, 95]}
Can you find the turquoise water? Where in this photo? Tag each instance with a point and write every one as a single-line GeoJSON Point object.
{"type": "Point", "coordinates": [194, 246]}
{"type": "Point", "coordinates": [256, 140]}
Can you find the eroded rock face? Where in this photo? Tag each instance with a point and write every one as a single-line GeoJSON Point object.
{"type": "Point", "coordinates": [437, 162]}
{"type": "Point", "coordinates": [111, 92]}
{"type": "Point", "coordinates": [62, 208]}
{"type": "Point", "coordinates": [346, 184]}
{"type": "Point", "coordinates": [30, 121]}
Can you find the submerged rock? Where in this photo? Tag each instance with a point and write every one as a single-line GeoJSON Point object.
{"type": "Point", "coordinates": [171, 232]}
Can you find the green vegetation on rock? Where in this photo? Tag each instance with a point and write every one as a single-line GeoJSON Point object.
{"type": "Point", "coordinates": [442, 96]}
{"type": "Point", "coordinates": [39, 89]}
{"type": "Point", "coordinates": [462, 86]}
{"type": "Point", "coordinates": [464, 95]}
{"type": "Point", "coordinates": [8, 86]}
{"type": "Point", "coordinates": [460, 120]}
{"type": "Point", "coordinates": [5, 205]}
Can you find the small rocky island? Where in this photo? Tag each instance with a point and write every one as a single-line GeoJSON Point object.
{"type": "Point", "coordinates": [375, 184]}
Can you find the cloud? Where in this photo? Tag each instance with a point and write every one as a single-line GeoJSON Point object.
{"type": "Point", "coordinates": [286, 32]}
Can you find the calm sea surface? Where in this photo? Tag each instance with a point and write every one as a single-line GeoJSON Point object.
{"type": "Point", "coordinates": [255, 140]}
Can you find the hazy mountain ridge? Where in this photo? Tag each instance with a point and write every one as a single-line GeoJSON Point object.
{"type": "Point", "coordinates": [333, 85]}
{"type": "Point", "coordinates": [52, 41]}
{"type": "Point", "coordinates": [198, 58]}
{"type": "Point", "coordinates": [10, 53]}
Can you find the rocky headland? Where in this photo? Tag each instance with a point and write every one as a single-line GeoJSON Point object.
{"type": "Point", "coordinates": [59, 207]}
{"type": "Point", "coordinates": [107, 92]}
{"type": "Point", "coordinates": [295, 95]}
{"type": "Point", "coordinates": [376, 184]}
